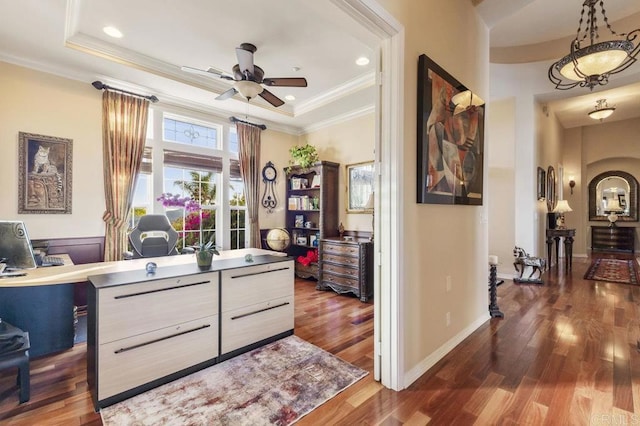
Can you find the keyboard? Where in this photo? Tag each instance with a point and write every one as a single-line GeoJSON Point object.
{"type": "Point", "coordinates": [52, 261]}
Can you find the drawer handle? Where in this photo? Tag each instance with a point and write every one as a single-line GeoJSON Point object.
{"type": "Point", "coordinates": [259, 273]}
{"type": "Point", "coordinates": [260, 310]}
{"type": "Point", "coordinates": [119, 351]}
{"type": "Point", "coordinates": [124, 296]}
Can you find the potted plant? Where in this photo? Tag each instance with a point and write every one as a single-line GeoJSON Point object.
{"type": "Point", "coordinates": [204, 254]}
{"type": "Point", "coordinates": [304, 156]}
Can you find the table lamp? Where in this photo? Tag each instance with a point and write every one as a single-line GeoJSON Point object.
{"type": "Point", "coordinates": [369, 207]}
{"type": "Point", "coordinates": [562, 207]}
{"type": "Point", "coordinates": [613, 207]}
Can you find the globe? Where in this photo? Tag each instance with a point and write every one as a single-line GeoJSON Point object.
{"type": "Point", "coordinates": [278, 239]}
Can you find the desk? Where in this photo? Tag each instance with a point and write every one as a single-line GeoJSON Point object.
{"type": "Point", "coordinates": [556, 234]}
{"type": "Point", "coordinates": [41, 302]}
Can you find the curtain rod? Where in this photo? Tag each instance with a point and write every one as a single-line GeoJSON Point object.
{"type": "Point", "coordinates": [101, 86]}
{"type": "Point", "coordinates": [234, 120]}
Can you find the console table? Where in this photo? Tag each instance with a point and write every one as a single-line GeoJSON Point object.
{"type": "Point", "coordinates": [613, 238]}
{"type": "Point", "coordinates": [556, 234]}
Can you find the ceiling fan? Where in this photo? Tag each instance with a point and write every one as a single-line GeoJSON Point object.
{"type": "Point", "coordinates": [248, 78]}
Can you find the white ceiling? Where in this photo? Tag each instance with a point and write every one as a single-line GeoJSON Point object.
{"type": "Point", "coordinates": [65, 37]}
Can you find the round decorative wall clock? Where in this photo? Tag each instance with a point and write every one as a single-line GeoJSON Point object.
{"type": "Point", "coordinates": [269, 175]}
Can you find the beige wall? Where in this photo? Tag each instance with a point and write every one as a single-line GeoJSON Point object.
{"type": "Point", "coordinates": [346, 143]}
{"type": "Point", "coordinates": [440, 241]}
{"type": "Point", "coordinates": [589, 151]}
{"type": "Point", "coordinates": [40, 103]}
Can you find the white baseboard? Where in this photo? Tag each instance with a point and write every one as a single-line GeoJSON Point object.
{"type": "Point", "coordinates": [424, 365]}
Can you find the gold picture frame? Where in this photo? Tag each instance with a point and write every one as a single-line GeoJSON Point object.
{"type": "Point", "coordinates": [44, 174]}
{"type": "Point", "coordinates": [360, 185]}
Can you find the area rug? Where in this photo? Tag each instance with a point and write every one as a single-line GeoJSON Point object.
{"type": "Point", "coordinates": [275, 384]}
{"type": "Point", "coordinates": [613, 271]}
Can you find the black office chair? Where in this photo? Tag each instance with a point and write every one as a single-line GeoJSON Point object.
{"type": "Point", "coordinates": [152, 237]}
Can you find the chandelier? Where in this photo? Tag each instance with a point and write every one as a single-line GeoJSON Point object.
{"type": "Point", "coordinates": [602, 110]}
{"type": "Point", "coordinates": [591, 65]}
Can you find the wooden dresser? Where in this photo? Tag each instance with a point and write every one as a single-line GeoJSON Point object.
{"type": "Point", "coordinates": [347, 267]}
{"type": "Point", "coordinates": [613, 238]}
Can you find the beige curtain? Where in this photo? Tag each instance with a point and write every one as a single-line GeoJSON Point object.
{"type": "Point", "coordinates": [249, 156]}
{"type": "Point", "coordinates": [124, 131]}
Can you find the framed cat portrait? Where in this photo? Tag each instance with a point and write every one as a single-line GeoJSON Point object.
{"type": "Point", "coordinates": [44, 171]}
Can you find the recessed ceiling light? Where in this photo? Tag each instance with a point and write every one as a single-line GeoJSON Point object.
{"type": "Point", "coordinates": [113, 32]}
{"type": "Point", "coordinates": [362, 61]}
{"type": "Point", "coordinates": [290, 98]}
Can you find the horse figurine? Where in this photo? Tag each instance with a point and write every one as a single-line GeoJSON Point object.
{"type": "Point", "coordinates": [523, 260]}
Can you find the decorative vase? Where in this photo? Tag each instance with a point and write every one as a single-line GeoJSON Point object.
{"type": "Point", "coordinates": [204, 259]}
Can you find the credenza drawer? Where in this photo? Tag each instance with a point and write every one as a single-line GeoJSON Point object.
{"type": "Point", "coordinates": [254, 284]}
{"type": "Point", "coordinates": [132, 362]}
{"type": "Point", "coordinates": [129, 310]}
{"type": "Point", "coordinates": [341, 249]}
{"type": "Point", "coordinates": [250, 324]}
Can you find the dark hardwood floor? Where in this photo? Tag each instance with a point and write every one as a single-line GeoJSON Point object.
{"type": "Point", "coordinates": [565, 353]}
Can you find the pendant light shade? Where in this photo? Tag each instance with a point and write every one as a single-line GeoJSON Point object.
{"type": "Point", "coordinates": [591, 65]}
{"type": "Point", "coordinates": [602, 110]}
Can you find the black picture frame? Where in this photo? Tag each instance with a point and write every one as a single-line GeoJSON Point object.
{"type": "Point", "coordinates": [542, 184]}
{"type": "Point", "coordinates": [44, 174]}
{"type": "Point", "coordinates": [450, 170]}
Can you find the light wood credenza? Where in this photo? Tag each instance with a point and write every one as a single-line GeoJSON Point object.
{"type": "Point", "coordinates": [146, 330]}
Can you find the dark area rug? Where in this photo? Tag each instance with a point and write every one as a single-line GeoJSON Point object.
{"type": "Point", "coordinates": [613, 271]}
{"type": "Point", "coordinates": [275, 384]}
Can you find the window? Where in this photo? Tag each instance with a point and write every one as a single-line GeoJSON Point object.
{"type": "Point", "coordinates": [191, 159]}
{"type": "Point", "coordinates": [190, 133]}
{"type": "Point", "coordinates": [237, 204]}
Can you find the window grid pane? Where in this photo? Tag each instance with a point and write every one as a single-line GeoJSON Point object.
{"type": "Point", "coordinates": [190, 133]}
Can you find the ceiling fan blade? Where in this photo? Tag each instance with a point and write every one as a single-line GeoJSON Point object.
{"type": "Point", "coordinates": [210, 72]}
{"type": "Point", "coordinates": [271, 98]}
{"type": "Point", "coordinates": [286, 82]}
{"type": "Point", "coordinates": [245, 60]}
{"type": "Point", "coordinates": [226, 95]}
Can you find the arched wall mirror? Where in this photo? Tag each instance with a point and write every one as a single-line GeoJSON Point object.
{"type": "Point", "coordinates": [613, 191]}
{"type": "Point", "coordinates": [551, 189]}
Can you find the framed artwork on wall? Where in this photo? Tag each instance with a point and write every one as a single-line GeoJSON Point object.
{"type": "Point", "coordinates": [359, 186]}
{"type": "Point", "coordinates": [542, 184]}
{"type": "Point", "coordinates": [44, 174]}
{"type": "Point", "coordinates": [450, 140]}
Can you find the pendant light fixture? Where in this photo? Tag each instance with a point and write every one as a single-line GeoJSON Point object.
{"type": "Point", "coordinates": [591, 65]}
{"type": "Point", "coordinates": [602, 110]}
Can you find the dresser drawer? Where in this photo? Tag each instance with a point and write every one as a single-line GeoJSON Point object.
{"type": "Point", "coordinates": [341, 249]}
{"type": "Point", "coordinates": [132, 362]}
{"type": "Point", "coordinates": [128, 310]}
{"type": "Point", "coordinates": [342, 260]}
{"type": "Point", "coordinates": [250, 324]}
{"type": "Point", "coordinates": [342, 270]}
{"type": "Point", "coordinates": [255, 284]}
{"type": "Point", "coordinates": [343, 281]}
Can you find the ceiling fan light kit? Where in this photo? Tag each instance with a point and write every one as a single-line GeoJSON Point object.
{"type": "Point", "coordinates": [249, 78]}
{"type": "Point", "coordinates": [590, 66]}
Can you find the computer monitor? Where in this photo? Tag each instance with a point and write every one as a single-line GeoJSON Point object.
{"type": "Point", "coordinates": [15, 245]}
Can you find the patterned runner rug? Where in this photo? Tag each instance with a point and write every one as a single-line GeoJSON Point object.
{"type": "Point", "coordinates": [275, 384]}
{"type": "Point", "coordinates": [613, 271]}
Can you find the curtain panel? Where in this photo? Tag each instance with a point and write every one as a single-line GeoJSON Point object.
{"type": "Point", "coordinates": [249, 156]}
{"type": "Point", "coordinates": [124, 131]}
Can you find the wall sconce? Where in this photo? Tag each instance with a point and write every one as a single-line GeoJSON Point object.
{"type": "Point", "coordinates": [572, 183]}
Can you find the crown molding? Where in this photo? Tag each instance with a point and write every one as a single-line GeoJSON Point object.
{"type": "Point", "coordinates": [352, 86]}
{"type": "Point", "coordinates": [369, 109]}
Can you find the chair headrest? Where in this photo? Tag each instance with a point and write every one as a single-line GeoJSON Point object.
{"type": "Point", "coordinates": [153, 222]}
